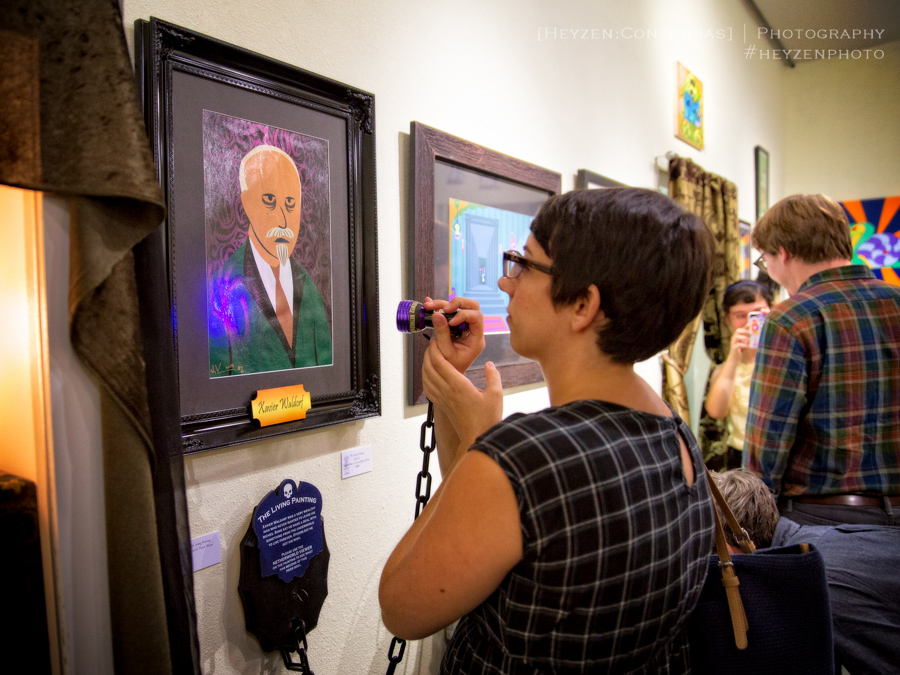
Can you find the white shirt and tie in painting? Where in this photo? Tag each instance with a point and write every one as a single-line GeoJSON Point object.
{"type": "Point", "coordinates": [286, 279]}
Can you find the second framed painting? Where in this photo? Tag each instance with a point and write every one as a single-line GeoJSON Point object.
{"type": "Point", "coordinates": [469, 205]}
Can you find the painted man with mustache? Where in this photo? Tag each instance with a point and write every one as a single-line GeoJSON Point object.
{"type": "Point", "coordinates": [270, 311]}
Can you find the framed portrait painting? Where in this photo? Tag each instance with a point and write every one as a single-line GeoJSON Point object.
{"type": "Point", "coordinates": [269, 245]}
{"type": "Point", "coordinates": [469, 205]}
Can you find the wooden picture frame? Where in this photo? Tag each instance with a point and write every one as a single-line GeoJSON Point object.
{"type": "Point", "coordinates": [447, 170]}
{"type": "Point", "coordinates": [207, 105]}
{"type": "Point", "coordinates": [585, 179]}
{"type": "Point", "coordinates": [761, 164]}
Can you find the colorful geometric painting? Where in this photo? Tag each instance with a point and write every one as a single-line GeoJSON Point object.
{"type": "Point", "coordinates": [744, 231]}
{"type": "Point", "coordinates": [478, 237]}
{"type": "Point", "coordinates": [875, 234]}
{"type": "Point", "coordinates": [689, 119]}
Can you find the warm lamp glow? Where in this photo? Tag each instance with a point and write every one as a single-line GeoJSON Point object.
{"type": "Point", "coordinates": [25, 436]}
{"type": "Point", "coordinates": [20, 339]}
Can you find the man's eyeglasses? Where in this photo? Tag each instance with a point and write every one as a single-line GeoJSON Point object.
{"type": "Point", "coordinates": [760, 263]}
{"type": "Point", "coordinates": [514, 264]}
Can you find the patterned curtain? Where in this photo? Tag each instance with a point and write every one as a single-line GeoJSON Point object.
{"type": "Point", "coordinates": [71, 124]}
{"type": "Point", "coordinates": [675, 363]}
{"type": "Point", "coordinates": [714, 199]}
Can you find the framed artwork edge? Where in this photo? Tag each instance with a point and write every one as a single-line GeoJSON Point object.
{"type": "Point", "coordinates": [428, 146]}
{"type": "Point", "coordinates": [586, 179]}
{"type": "Point", "coordinates": [746, 273]}
{"type": "Point", "coordinates": [161, 49]}
{"type": "Point", "coordinates": [759, 152]}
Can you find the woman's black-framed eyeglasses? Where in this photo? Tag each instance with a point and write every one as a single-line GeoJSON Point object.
{"type": "Point", "coordinates": [760, 263]}
{"type": "Point", "coordinates": [514, 264]}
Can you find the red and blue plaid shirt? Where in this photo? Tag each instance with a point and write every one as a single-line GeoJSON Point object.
{"type": "Point", "coordinates": [824, 414]}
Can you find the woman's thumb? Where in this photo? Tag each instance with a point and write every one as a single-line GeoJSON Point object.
{"type": "Point", "coordinates": [492, 377]}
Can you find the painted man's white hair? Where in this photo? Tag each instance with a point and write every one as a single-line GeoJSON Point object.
{"type": "Point", "coordinates": [257, 149]}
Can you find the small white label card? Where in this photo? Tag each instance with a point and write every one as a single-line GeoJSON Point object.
{"type": "Point", "coordinates": [206, 551]}
{"type": "Point", "coordinates": [356, 461]}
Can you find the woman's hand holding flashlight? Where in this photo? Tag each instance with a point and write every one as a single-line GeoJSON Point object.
{"type": "Point", "coordinates": [462, 410]}
{"type": "Point", "coordinates": [460, 351]}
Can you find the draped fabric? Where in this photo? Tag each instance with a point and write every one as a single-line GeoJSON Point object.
{"type": "Point", "coordinates": [71, 123]}
{"type": "Point", "coordinates": [714, 199]}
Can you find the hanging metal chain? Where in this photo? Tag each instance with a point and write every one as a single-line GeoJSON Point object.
{"type": "Point", "coordinates": [299, 628]}
{"type": "Point", "coordinates": [421, 501]}
{"type": "Point", "coordinates": [394, 659]}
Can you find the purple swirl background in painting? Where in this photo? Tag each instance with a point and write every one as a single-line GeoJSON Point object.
{"type": "Point", "coordinates": [225, 142]}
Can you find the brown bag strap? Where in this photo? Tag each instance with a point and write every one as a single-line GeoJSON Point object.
{"type": "Point", "coordinates": [741, 535]}
{"type": "Point", "coordinates": [726, 566]}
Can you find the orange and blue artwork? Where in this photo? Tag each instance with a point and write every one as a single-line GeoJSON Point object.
{"type": "Point", "coordinates": [689, 121]}
{"type": "Point", "coordinates": [875, 235]}
{"type": "Point", "coordinates": [478, 237]}
{"type": "Point", "coordinates": [745, 249]}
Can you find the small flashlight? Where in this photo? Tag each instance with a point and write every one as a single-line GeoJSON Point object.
{"type": "Point", "coordinates": [412, 317]}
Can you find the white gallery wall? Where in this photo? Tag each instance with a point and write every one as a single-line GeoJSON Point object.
{"type": "Point", "coordinates": [509, 75]}
{"type": "Point", "coordinates": [844, 118]}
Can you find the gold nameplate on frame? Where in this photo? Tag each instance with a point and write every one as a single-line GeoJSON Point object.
{"type": "Point", "coordinates": [284, 404]}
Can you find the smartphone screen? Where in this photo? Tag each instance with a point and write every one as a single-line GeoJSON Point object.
{"type": "Point", "coordinates": [755, 321]}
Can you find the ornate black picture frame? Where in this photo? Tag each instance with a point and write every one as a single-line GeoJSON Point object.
{"type": "Point", "coordinates": [447, 169]}
{"type": "Point", "coordinates": [207, 104]}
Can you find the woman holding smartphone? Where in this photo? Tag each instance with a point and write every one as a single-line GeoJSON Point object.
{"type": "Point", "coordinates": [729, 388]}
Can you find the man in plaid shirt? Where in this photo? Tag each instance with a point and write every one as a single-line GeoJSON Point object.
{"type": "Point", "coordinates": [823, 429]}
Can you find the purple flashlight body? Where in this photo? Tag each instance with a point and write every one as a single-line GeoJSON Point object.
{"type": "Point", "coordinates": [412, 317]}
{"type": "Point", "coordinates": [405, 317]}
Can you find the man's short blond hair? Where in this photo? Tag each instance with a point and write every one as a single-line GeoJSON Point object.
{"type": "Point", "coordinates": [751, 502]}
{"type": "Point", "coordinates": [813, 228]}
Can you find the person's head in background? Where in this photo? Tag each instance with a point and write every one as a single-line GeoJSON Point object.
{"type": "Point", "coordinates": [801, 235]}
{"type": "Point", "coordinates": [744, 297]}
{"type": "Point", "coordinates": [753, 505]}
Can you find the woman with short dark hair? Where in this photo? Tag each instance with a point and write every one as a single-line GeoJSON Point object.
{"type": "Point", "coordinates": [575, 539]}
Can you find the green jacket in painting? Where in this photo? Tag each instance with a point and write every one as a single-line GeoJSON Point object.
{"type": "Point", "coordinates": [244, 333]}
